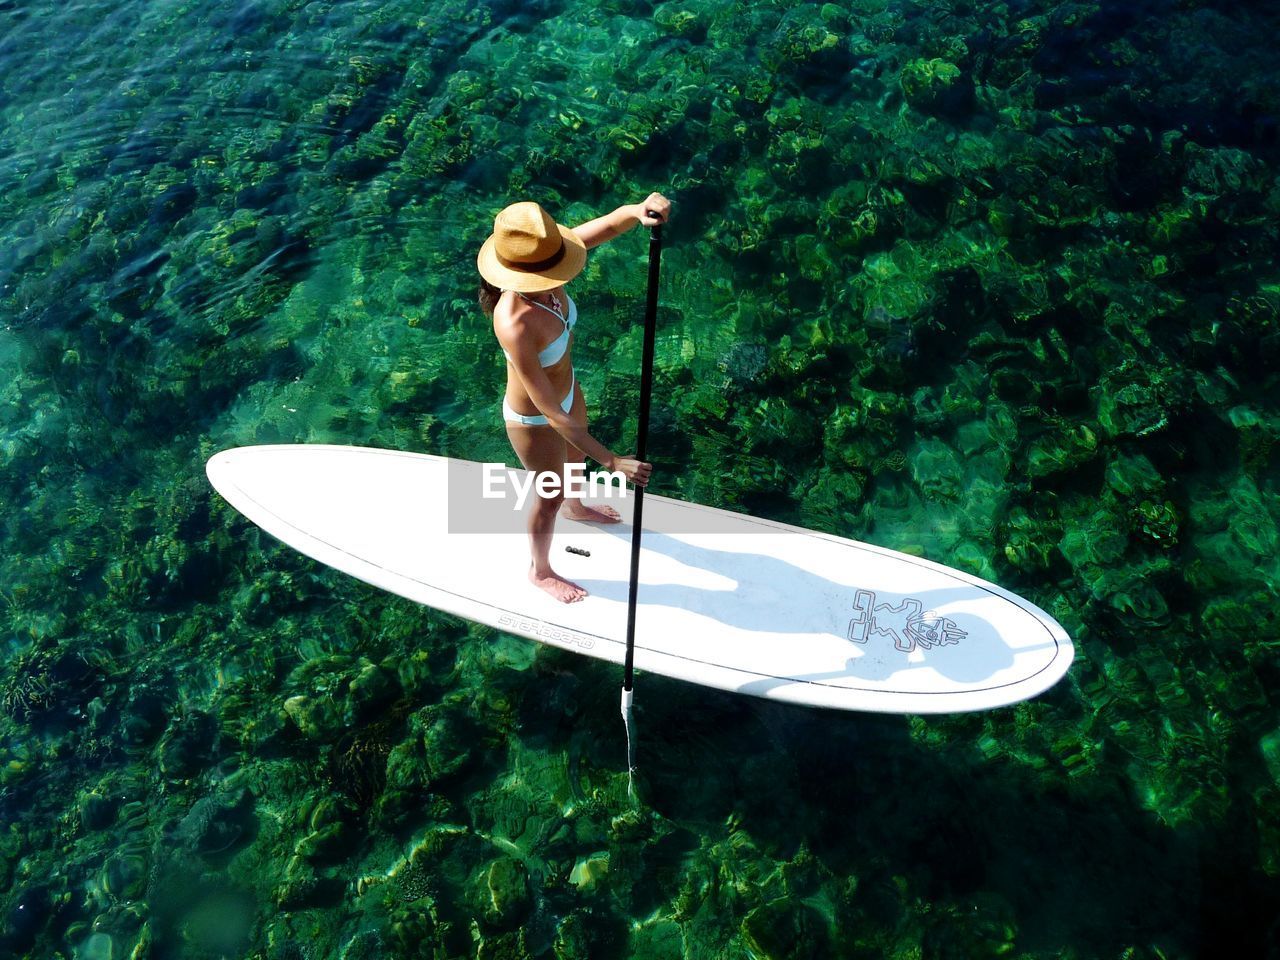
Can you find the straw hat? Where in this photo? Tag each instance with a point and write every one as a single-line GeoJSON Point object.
{"type": "Point", "coordinates": [529, 251]}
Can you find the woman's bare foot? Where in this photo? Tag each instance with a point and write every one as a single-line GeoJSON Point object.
{"type": "Point", "coordinates": [566, 591]}
{"type": "Point", "coordinates": [577, 510]}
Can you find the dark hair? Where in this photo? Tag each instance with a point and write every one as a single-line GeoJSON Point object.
{"type": "Point", "coordinates": [488, 296]}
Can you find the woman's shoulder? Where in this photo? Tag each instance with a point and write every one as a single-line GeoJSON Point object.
{"type": "Point", "coordinates": [512, 308]}
{"type": "Point", "coordinates": [511, 317]}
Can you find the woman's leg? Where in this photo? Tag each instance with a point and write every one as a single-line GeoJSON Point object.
{"type": "Point", "coordinates": [540, 449]}
{"type": "Point", "coordinates": [573, 508]}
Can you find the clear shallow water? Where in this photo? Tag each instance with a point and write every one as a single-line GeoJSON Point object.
{"type": "Point", "coordinates": [994, 284]}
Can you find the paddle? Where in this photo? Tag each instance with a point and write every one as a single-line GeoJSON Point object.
{"type": "Point", "coordinates": [642, 436]}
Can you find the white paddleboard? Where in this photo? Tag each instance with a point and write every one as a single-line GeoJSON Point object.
{"type": "Point", "coordinates": [726, 600]}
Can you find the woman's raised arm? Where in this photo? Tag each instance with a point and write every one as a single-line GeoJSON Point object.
{"type": "Point", "coordinates": [653, 210]}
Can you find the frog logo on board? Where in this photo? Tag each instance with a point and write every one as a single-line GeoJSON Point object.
{"type": "Point", "coordinates": [908, 624]}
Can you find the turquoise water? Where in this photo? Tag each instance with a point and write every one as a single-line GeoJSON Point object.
{"type": "Point", "coordinates": [994, 284]}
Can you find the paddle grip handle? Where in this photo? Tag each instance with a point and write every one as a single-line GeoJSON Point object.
{"type": "Point", "coordinates": [650, 324]}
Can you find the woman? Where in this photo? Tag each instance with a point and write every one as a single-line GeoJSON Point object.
{"type": "Point", "coordinates": [525, 265]}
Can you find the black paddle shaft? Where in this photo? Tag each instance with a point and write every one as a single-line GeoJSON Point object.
{"type": "Point", "coordinates": [642, 437]}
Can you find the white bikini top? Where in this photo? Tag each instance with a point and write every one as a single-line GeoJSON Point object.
{"type": "Point", "coordinates": [556, 348]}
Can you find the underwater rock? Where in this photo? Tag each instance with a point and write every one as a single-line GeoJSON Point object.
{"type": "Point", "coordinates": [1135, 595]}
{"type": "Point", "coordinates": [839, 438]}
{"type": "Point", "coordinates": [1214, 563]}
{"type": "Point", "coordinates": [893, 333]}
{"type": "Point", "coordinates": [937, 471]}
{"type": "Point", "coordinates": [425, 929]}
{"type": "Point", "coordinates": [682, 20]}
{"type": "Point", "coordinates": [407, 776]}
{"type": "Point", "coordinates": [1257, 436]}
{"type": "Point", "coordinates": [96, 811]}
{"type": "Point", "coordinates": [1223, 171]}
{"type": "Point", "coordinates": [1015, 386]}
{"type": "Point", "coordinates": [300, 888]}
{"type": "Point", "coordinates": [658, 937]}
{"type": "Point", "coordinates": [31, 908]}
{"type": "Point", "coordinates": [190, 745]}
{"type": "Point", "coordinates": [144, 717]}
{"type": "Point", "coordinates": [1099, 540]}
{"type": "Point", "coordinates": [631, 826]}
{"type": "Point", "coordinates": [1256, 533]}
{"type": "Point", "coordinates": [589, 872]}
{"type": "Point", "coordinates": [803, 36]}
{"type": "Point", "coordinates": [448, 854]}
{"type": "Point", "coordinates": [365, 945]}
{"type": "Point", "coordinates": [1061, 450]}
{"type": "Point", "coordinates": [508, 896]}
{"type": "Point", "coordinates": [1157, 523]}
{"type": "Point", "coordinates": [216, 823]}
{"type": "Point", "coordinates": [329, 844]}
{"type": "Point", "coordinates": [785, 930]}
{"type": "Point", "coordinates": [1133, 476]}
{"type": "Point", "coordinates": [124, 875]}
{"type": "Point", "coordinates": [1136, 402]}
{"type": "Point", "coordinates": [97, 946]}
{"type": "Point", "coordinates": [984, 927]}
{"type": "Point", "coordinates": [505, 946]}
{"type": "Point", "coordinates": [804, 874]}
{"type": "Point", "coordinates": [833, 503]}
{"type": "Point", "coordinates": [1002, 426]}
{"type": "Point", "coordinates": [743, 362]}
{"type": "Point", "coordinates": [848, 220]}
{"type": "Point", "coordinates": [1240, 616]}
{"type": "Point", "coordinates": [1269, 746]}
{"type": "Point", "coordinates": [936, 86]}
{"type": "Point", "coordinates": [799, 155]}
{"type": "Point", "coordinates": [418, 670]}
{"type": "Point", "coordinates": [974, 558]}
{"type": "Point", "coordinates": [1028, 545]}
{"type": "Point", "coordinates": [316, 718]}
{"type": "Point", "coordinates": [326, 811]}
{"type": "Point", "coordinates": [371, 689]}
{"type": "Point", "coordinates": [446, 735]}
{"type": "Point", "coordinates": [573, 938]}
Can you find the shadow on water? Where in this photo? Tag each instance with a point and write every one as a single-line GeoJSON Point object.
{"type": "Point", "coordinates": [1074, 864]}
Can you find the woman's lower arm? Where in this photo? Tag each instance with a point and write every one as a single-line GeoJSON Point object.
{"type": "Point", "coordinates": [623, 219]}
{"type": "Point", "coordinates": [614, 224]}
{"type": "Point", "coordinates": [652, 211]}
{"type": "Point", "coordinates": [577, 435]}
